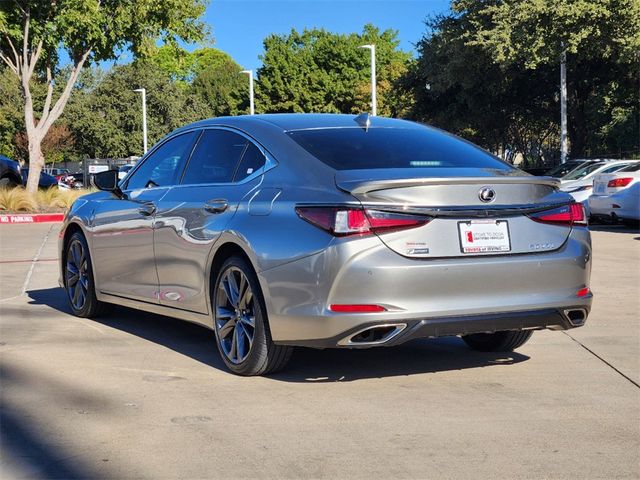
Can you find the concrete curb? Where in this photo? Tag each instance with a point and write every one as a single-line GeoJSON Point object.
{"type": "Point", "coordinates": [31, 218]}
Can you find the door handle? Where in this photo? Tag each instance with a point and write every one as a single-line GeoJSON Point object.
{"type": "Point", "coordinates": [147, 209]}
{"type": "Point", "coordinates": [218, 205]}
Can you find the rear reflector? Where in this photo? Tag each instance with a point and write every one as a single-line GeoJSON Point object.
{"type": "Point", "coordinates": [357, 308]}
{"type": "Point", "coordinates": [571, 214]}
{"type": "Point", "coordinates": [583, 292]}
{"type": "Point", "coordinates": [342, 221]}
{"type": "Point", "coordinates": [619, 182]}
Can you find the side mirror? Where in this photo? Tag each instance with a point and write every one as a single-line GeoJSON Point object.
{"type": "Point", "coordinates": [107, 181]}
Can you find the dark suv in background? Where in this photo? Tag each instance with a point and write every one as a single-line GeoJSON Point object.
{"type": "Point", "coordinates": [9, 173]}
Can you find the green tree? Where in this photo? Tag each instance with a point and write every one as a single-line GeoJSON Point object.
{"type": "Point", "coordinates": [222, 88]}
{"type": "Point", "coordinates": [319, 71]}
{"type": "Point", "coordinates": [11, 113]}
{"type": "Point", "coordinates": [106, 117]}
{"type": "Point", "coordinates": [184, 66]}
{"type": "Point", "coordinates": [34, 33]}
{"type": "Point", "coordinates": [458, 87]}
{"type": "Point", "coordinates": [602, 41]}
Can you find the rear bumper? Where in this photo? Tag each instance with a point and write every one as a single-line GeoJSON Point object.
{"type": "Point", "coordinates": [433, 297]}
{"type": "Point", "coordinates": [603, 206]}
{"type": "Point", "coordinates": [554, 319]}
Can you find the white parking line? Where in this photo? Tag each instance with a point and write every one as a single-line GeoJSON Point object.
{"type": "Point", "coordinates": [34, 261]}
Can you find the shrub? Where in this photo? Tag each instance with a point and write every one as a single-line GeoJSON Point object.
{"type": "Point", "coordinates": [16, 200]}
{"type": "Point", "coordinates": [53, 199]}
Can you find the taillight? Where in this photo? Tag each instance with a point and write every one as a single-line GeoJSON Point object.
{"type": "Point", "coordinates": [343, 221]}
{"type": "Point", "coordinates": [619, 182]}
{"type": "Point", "coordinates": [571, 214]}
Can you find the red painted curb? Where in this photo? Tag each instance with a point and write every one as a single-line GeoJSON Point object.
{"type": "Point", "coordinates": [31, 218]}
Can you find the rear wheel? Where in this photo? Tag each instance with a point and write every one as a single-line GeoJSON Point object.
{"type": "Point", "coordinates": [78, 280]}
{"type": "Point", "coordinates": [240, 322]}
{"type": "Point", "coordinates": [504, 341]}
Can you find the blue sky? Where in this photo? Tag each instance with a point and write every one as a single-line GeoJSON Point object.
{"type": "Point", "coordinates": [239, 26]}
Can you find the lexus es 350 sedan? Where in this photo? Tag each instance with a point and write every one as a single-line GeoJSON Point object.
{"type": "Point", "coordinates": [329, 231]}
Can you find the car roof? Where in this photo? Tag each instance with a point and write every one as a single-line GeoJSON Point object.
{"type": "Point", "coordinates": [302, 121]}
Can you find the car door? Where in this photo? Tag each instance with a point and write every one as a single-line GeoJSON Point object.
{"type": "Point", "coordinates": [224, 168]}
{"type": "Point", "coordinates": [122, 228]}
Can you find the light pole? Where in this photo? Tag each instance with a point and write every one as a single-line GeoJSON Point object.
{"type": "Point", "coordinates": [250, 73]}
{"type": "Point", "coordinates": [373, 78]}
{"type": "Point", "coordinates": [564, 148]}
{"type": "Point", "coordinates": [144, 117]}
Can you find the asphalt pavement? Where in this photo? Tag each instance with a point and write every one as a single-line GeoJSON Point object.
{"type": "Point", "coordinates": [136, 395]}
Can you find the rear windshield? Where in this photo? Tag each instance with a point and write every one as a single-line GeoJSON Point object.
{"type": "Point", "coordinates": [355, 149]}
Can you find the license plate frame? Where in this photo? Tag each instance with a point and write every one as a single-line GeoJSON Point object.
{"type": "Point", "coordinates": [491, 237]}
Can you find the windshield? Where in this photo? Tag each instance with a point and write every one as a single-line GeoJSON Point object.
{"type": "Point", "coordinates": [357, 149]}
{"type": "Point", "coordinates": [563, 168]}
{"type": "Point", "coordinates": [582, 171]}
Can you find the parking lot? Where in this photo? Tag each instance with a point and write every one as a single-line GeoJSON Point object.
{"type": "Point", "coordinates": [135, 395]}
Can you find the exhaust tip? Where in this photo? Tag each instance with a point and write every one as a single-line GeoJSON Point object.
{"type": "Point", "coordinates": [576, 317]}
{"type": "Point", "coordinates": [375, 335]}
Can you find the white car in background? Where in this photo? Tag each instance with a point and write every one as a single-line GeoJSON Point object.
{"type": "Point", "coordinates": [123, 170]}
{"type": "Point", "coordinates": [579, 182]}
{"type": "Point", "coordinates": [617, 195]}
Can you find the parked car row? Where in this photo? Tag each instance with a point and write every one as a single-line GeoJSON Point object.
{"type": "Point", "coordinates": [579, 182]}
{"type": "Point", "coordinates": [12, 175]}
{"type": "Point", "coordinates": [616, 196]}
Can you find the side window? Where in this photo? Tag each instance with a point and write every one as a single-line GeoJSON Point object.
{"type": "Point", "coordinates": [252, 160]}
{"type": "Point", "coordinates": [613, 168]}
{"type": "Point", "coordinates": [215, 158]}
{"type": "Point", "coordinates": [164, 166]}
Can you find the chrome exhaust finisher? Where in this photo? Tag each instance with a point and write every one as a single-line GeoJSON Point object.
{"type": "Point", "coordinates": [576, 316]}
{"type": "Point", "coordinates": [373, 335]}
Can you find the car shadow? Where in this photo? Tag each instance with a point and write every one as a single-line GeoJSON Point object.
{"type": "Point", "coordinates": [307, 365]}
{"type": "Point", "coordinates": [614, 228]}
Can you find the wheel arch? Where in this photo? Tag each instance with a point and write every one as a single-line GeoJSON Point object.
{"type": "Point", "coordinates": [228, 246]}
{"type": "Point", "coordinates": [12, 177]}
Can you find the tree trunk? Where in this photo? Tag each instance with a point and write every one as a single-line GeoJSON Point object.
{"type": "Point", "coordinates": [36, 162]}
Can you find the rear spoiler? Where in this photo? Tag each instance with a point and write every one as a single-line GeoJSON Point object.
{"type": "Point", "coordinates": [364, 186]}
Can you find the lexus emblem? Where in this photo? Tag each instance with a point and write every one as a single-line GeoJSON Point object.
{"type": "Point", "coordinates": [487, 194]}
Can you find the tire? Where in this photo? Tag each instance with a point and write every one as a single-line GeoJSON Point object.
{"type": "Point", "coordinates": [505, 341]}
{"type": "Point", "coordinates": [7, 182]}
{"type": "Point", "coordinates": [240, 322]}
{"type": "Point", "coordinates": [78, 280]}
{"type": "Point", "coordinates": [630, 223]}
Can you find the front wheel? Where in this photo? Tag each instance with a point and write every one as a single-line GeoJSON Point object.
{"type": "Point", "coordinates": [240, 322]}
{"type": "Point", "coordinates": [78, 280]}
{"type": "Point", "coordinates": [505, 341]}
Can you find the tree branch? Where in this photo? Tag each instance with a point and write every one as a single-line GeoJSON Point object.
{"type": "Point", "coordinates": [25, 47]}
{"type": "Point", "coordinates": [34, 58]}
{"type": "Point", "coordinates": [16, 57]}
{"type": "Point", "coordinates": [47, 102]}
{"type": "Point", "coordinates": [57, 109]}
{"type": "Point", "coordinates": [21, 8]}
{"type": "Point", "coordinates": [11, 66]}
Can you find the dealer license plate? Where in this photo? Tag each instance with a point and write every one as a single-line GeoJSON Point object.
{"type": "Point", "coordinates": [484, 236]}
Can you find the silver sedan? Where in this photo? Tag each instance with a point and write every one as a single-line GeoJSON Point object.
{"type": "Point", "coordinates": [329, 231]}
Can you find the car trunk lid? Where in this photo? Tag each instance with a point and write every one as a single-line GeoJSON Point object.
{"type": "Point", "coordinates": [471, 211]}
